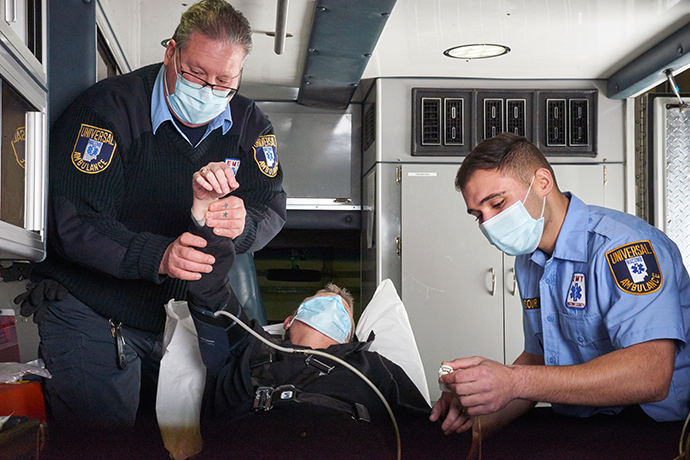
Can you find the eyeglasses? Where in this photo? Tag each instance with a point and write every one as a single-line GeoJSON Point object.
{"type": "Point", "coordinates": [195, 82]}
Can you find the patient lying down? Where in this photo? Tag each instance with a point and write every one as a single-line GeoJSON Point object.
{"type": "Point", "coordinates": [264, 403]}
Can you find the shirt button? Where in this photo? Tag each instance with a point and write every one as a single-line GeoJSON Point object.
{"type": "Point", "coordinates": [581, 339]}
{"type": "Point", "coordinates": [549, 319]}
{"type": "Point", "coordinates": [552, 360]}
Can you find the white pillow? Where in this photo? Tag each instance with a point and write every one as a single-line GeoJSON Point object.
{"type": "Point", "coordinates": [387, 317]}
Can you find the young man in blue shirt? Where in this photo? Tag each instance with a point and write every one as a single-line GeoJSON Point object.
{"type": "Point", "coordinates": [606, 301]}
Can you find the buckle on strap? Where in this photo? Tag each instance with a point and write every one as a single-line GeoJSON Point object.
{"type": "Point", "coordinates": [262, 399]}
{"type": "Point", "coordinates": [361, 414]}
{"type": "Point", "coordinates": [265, 396]}
{"type": "Point", "coordinates": [321, 366]}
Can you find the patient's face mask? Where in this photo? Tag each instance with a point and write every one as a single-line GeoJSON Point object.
{"type": "Point", "coordinates": [326, 314]}
{"type": "Point", "coordinates": [513, 230]}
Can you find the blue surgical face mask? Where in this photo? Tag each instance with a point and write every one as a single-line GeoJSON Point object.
{"type": "Point", "coordinates": [513, 230]}
{"type": "Point", "coordinates": [327, 315]}
{"type": "Point", "coordinates": [195, 106]}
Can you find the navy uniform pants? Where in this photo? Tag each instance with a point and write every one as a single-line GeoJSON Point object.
{"type": "Point", "coordinates": [87, 387]}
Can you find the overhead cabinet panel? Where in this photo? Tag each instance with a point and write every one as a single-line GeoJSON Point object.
{"type": "Point", "coordinates": [451, 122]}
{"type": "Point", "coordinates": [567, 122]}
{"type": "Point", "coordinates": [441, 122]}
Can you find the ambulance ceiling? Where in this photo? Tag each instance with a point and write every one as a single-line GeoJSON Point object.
{"type": "Point", "coordinates": [549, 39]}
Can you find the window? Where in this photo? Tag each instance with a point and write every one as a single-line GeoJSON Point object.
{"type": "Point", "coordinates": [23, 107]}
{"type": "Point", "coordinates": [107, 66]}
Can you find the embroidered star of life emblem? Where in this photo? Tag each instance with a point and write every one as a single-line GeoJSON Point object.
{"type": "Point", "coordinates": [576, 293]}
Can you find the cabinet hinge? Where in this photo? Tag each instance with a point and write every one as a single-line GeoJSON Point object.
{"type": "Point", "coordinates": [398, 245]}
{"type": "Point", "coordinates": [398, 174]}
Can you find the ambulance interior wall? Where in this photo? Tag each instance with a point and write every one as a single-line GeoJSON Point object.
{"type": "Point", "coordinates": [71, 57]}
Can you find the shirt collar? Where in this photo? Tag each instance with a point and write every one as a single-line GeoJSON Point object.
{"type": "Point", "coordinates": [160, 111]}
{"type": "Point", "coordinates": [572, 239]}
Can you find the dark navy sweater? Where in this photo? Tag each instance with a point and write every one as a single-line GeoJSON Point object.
{"type": "Point", "coordinates": [110, 221]}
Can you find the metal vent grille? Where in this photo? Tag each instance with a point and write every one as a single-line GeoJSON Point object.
{"type": "Point", "coordinates": [453, 116]}
{"type": "Point", "coordinates": [515, 116]}
{"type": "Point", "coordinates": [579, 122]}
{"type": "Point", "coordinates": [369, 127]}
{"type": "Point", "coordinates": [556, 124]}
{"type": "Point", "coordinates": [431, 121]}
{"type": "Point", "coordinates": [441, 121]}
{"type": "Point", "coordinates": [493, 117]}
{"type": "Point", "coordinates": [451, 121]}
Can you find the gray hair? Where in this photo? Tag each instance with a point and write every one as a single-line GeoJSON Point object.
{"type": "Point", "coordinates": [215, 19]}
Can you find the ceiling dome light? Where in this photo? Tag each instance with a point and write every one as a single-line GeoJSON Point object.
{"type": "Point", "coordinates": [476, 51]}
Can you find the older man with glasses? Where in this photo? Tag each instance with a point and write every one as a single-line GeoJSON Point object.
{"type": "Point", "coordinates": [120, 161]}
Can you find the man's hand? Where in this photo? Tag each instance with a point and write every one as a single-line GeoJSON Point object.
{"type": "Point", "coordinates": [482, 386]}
{"type": "Point", "coordinates": [456, 418]}
{"type": "Point", "coordinates": [227, 217]}
{"type": "Point", "coordinates": [214, 180]}
{"type": "Point", "coordinates": [182, 261]}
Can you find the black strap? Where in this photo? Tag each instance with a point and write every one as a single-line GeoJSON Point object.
{"type": "Point", "coordinates": [357, 411]}
{"type": "Point", "coordinates": [267, 397]}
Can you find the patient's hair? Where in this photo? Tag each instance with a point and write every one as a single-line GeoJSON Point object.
{"type": "Point", "coordinates": [331, 288]}
{"type": "Point", "coordinates": [510, 154]}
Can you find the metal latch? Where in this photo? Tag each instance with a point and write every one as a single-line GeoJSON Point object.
{"type": "Point", "coordinates": [324, 368]}
{"type": "Point", "coordinates": [262, 400]}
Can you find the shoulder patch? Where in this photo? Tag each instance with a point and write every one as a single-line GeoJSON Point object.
{"type": "Point", "coordinates": [266, 155]}
{"type": "Point", "coordinates": [93, 150]}
{"type": "Point", "coordinates": [635, 268]}
{"type": "Point", "coordinates": [531, 304]}
{"type": "Point", "coordinates": [18, 146]}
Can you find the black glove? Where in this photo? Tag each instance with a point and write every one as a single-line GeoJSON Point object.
{"type": "Point", "coordinates": [38, 296]}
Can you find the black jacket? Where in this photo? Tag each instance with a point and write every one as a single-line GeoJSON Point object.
{"type": "Point", "coordinates": [112, 217]}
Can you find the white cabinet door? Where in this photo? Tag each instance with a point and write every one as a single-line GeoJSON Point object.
{"type": "Point", "coordinates": [596, 184]}
{"type": "Point", "coordinates": [451, 276]}
{"type": "Point", "coordinates": [459, 290]}
{"type": "Point", "coordinates": [514, 340]}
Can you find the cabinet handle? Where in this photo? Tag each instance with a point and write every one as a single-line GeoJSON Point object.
{"type": "Point", "coordinates": [514, 291]}
{"type": "Point", "coordinates": [10, 11]}
{"type": "Point", "coordinates": [35, 172]}
{"type": "Point", "coordinates": [493, 281]}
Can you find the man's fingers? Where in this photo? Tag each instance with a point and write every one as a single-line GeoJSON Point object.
{"type": "Point", "coordinates": [189, 271]}
{"type": "Point", "coordinates": [189, 264]}
{"type": "Point", "coordinates": [440, 408]}
{"type": "Point", "coordinates": [189, 239]}
{"type": "Point", "coordinates": [228, 204]}
{"type": "Point", "coordinates": [219, 176]}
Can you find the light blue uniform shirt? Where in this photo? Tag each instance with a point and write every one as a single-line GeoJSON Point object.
{"type": "Point", "coordinates": [613, 281]}
{"type": "Point", "coordinates": [160, 111]}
